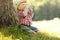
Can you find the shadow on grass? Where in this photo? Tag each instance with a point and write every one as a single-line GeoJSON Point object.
{"type": "Point", "coordinates": [22, 35]}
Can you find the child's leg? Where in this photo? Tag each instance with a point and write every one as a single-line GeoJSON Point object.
{"type": "Point", "coordinates": [33, 28]}
{"type": "Point", "coordinates": [26, 28]}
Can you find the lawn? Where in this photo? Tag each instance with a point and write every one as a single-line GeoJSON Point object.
{"type": "Point", "coordinates": [13, 33]}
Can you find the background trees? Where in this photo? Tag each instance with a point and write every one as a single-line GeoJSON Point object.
{"type": "Point", "coordinates": [48, 10]}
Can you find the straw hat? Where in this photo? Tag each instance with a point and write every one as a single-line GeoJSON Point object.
{"type": "Point", "coordinates": [19, 5]}
{"type": "Point", "coordinates": [24, 1]}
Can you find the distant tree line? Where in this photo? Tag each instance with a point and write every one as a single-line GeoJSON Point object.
{"type": "Point", "coordinates": [48, 11]}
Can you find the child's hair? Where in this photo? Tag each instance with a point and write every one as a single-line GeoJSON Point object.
{"type": "Point", "coordinates": [19, 4]}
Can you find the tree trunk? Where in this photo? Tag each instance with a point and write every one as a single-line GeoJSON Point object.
{"type": "Point", "coordinates": [7, 13]}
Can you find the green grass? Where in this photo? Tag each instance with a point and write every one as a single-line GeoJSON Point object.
{"type": "Point", "coordinates": [21, 35]}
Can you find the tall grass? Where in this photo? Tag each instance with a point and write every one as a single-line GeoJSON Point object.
{"type": "Point", "coordinates": [13, 33]}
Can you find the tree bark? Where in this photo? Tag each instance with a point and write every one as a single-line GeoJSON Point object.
{"type": "Point", "coordinates": [7, 13]}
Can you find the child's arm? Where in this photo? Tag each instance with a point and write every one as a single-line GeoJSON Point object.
{"type": "Point", "coordinates": [31, 12]}
{"type": "Point", "coordinates": [20, 13]}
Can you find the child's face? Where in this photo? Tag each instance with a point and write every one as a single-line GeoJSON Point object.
{"type": "Point", "coordinates": [22, 6]}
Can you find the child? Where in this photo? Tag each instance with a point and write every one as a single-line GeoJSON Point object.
{"type": "Point", "coordinates": [25, 17]}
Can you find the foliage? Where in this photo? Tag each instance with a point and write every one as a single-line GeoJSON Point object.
{"type": "Point", "coordinates": [46, 9]}
{"type": "Point", "coordinates": [13, 33]}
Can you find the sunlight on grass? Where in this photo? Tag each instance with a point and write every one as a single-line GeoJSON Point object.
{"type": "Point", "coordinates": [2, 37]}
{"type": "Point", "coordinates": [51, 27]}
